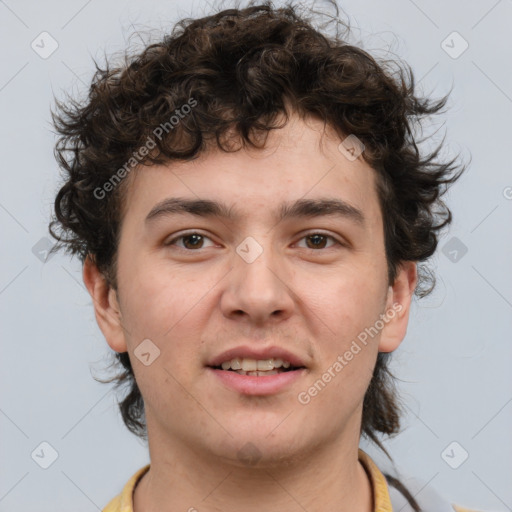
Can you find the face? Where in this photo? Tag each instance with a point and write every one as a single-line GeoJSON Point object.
{"type": "Point", "coordinates": [291, 266]}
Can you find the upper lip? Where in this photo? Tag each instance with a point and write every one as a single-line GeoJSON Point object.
{"type": "Point", "coordinates": [246, 352]}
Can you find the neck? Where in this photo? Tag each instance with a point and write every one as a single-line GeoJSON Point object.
{"type": "Point", "coordinates": [327, 478]}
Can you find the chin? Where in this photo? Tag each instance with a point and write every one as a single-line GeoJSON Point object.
{"type": "Point", "coordinates": [256, 448]}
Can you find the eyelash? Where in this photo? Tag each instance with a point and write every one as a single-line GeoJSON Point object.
{"type": "Point", "coordinates": [185, 235]}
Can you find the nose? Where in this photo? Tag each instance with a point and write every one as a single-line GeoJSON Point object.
{"type": "Point", "coordinates": [258, 292]}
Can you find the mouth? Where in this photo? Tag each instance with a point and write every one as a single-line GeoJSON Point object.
{"type": "Point", "coordinates": [257, 377]}
{"type": "Point", "coordinates": [257, 367]}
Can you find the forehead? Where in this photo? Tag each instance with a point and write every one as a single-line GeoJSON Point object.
{"type": "Point", "coordinates": [301, 161]}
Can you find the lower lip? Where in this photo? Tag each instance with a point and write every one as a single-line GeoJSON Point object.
{"type": "Point", "coordinates": [252, 385]}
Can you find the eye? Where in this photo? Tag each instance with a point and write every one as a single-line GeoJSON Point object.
{"type": "Point", "coordinates": [191, 240]}
{"type": "Point", "coordinates": [318, 240]}
{"type": "Point", "coordinates": [195, 240]}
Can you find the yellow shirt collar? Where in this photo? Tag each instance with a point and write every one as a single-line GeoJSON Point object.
{"type": "Point", "coordinates": [124, 501]}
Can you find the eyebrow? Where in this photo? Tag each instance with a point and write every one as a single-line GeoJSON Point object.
{"type": "Point", "coordinates": [296, 209]}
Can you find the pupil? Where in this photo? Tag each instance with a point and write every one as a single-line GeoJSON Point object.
{"type": "Point", "coordinates": [188, 237]}
{"type": "Point", "coordinates": [316, 237]}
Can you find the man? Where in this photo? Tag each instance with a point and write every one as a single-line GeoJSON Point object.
{"type": "Point", "coordinates": [250, 208]}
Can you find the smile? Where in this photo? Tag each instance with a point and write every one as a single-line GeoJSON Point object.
{"type": "Point", "coordinates": [256, 367]}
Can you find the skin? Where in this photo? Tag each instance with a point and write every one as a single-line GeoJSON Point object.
{"type": "Point", "coordinates": [198, 297]}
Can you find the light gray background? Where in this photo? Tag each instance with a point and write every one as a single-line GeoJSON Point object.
{"type": "Point", "coordinates": [455, 361]}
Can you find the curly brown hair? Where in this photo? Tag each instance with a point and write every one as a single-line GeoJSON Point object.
{"type": "Point", "coordinates": [243, 68]}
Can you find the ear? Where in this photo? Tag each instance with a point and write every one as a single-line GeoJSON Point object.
{"type": "Point", "coordinates": [106, 306]}
{"type": "Point", "coordinates": [398, 305]}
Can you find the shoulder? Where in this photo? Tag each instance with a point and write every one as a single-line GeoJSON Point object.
{"type": "Point", "coordinates": [394, 498]}
{"type": "Point", "coordinates": [114, 505]}
{"type": "Point", "coordinates": [124, 501]}
{"type": "Point", "coordinates": [428, 499]}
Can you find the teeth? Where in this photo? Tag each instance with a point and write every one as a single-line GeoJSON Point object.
{"type": "Point", "coordinates": [234, 364]}
{"type": "Point", "coordinates": [265, 366]}
{"type": "Point", "coordinates": [261, 374]}
{"type": "Point", "coordinates": [249, 365]}
{"type": "Point", "coordinates": [257, 373]}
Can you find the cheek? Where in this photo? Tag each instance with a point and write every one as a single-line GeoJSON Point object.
{"type": "Point", "coordinates": [166, 310]}
{"type": "Point", "coordinates": [336, 394]}
{"type": "Point", "coordinates": [157, 302]}
{"type": "Point", "coordinates": [349, 346]}
{"type": "Point", "coordinates": [353, 301]}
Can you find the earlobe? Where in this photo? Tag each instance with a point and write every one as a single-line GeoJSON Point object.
{"type": "Point", "coordinates": [398, 306]}
{"type": "Point", "coordinates": [106, 305]}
